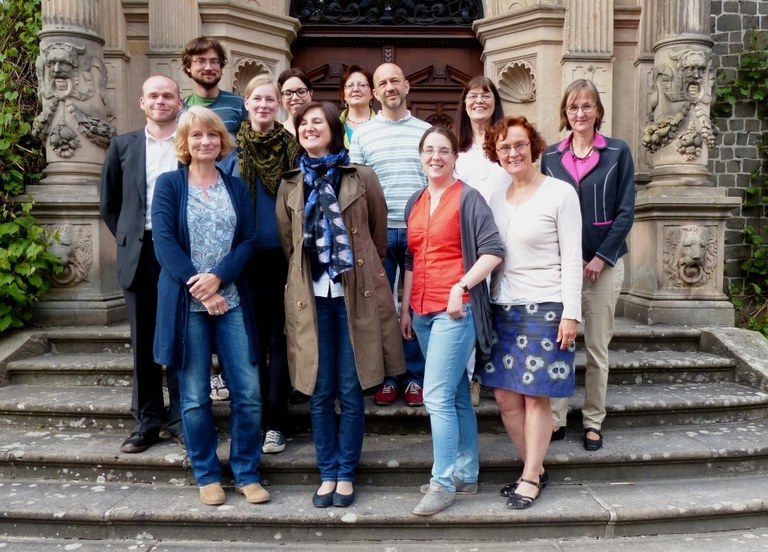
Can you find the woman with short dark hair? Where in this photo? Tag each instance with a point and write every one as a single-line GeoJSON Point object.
{"type": "Point", "coordinates": [341, 324]}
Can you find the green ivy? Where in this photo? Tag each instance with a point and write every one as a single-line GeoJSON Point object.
{"type": "Point", "coordinates": [26, 265]}
{"type": "Point", "coordinates": [750, 84]}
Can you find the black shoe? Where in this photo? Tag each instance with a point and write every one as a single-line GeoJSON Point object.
{"type": "Point", "coordinates": [343, 501]}
{"type": "Point", "coordinates": [324, 500]}
{"type": "Point", "coordinates": [593, 444]}
{"type": "Point", "coordinates": [521, 502]}
{"type": "Point", "coordinates": [509, 490]}
{"type": "Point", "coordinates": [297, 397]}
{"type": "Point", "coordinates": [558, 434]}
{"type": "Point", "coordinates": [139, 442]}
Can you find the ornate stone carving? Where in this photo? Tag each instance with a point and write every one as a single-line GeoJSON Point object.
{"type": "Point", "coordinates": [690, 254]}
{"type": "Point", "coordinates": [387, 12]}
{"type": "Point", "coordinates": [75, 251]}
{"type": "Point", "coordinates": [245, 71]}
{"type": "Point", "coordinates": [517, 83]}
{"type": "Point", "coordinates": [70, 85]}
{"type": "Point", "coordinates": [680, 99]}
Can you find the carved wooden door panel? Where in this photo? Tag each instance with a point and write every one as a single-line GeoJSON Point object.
{"type": "Point", "coordinates": [437, 55]}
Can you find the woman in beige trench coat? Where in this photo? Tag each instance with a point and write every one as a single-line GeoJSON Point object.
{"type": "Point", "coordinates": [342, 330]}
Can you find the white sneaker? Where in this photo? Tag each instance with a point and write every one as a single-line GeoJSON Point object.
{"type": "Point", "coordinates": [273, 442]}
{"type": "Point", "coordinates": [219, 391]}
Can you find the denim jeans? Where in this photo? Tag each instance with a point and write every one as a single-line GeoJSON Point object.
{"type": "Point", "coordinates": [447, 345]}
{"type": "Point", "coordinates": [338, 447]}
{"type": "Point", "coordinates": [228, 335]}
{"type": "Point", "coordinates": [414, 359]}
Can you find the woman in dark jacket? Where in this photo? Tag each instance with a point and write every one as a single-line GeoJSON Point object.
{"type": "Point", "coordinates": [603, 173]}
{"type": "Point", "coordinates": [204, 235]}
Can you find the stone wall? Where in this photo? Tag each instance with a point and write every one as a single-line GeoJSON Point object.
{"type": "Point", "coordinates": [736, 157]}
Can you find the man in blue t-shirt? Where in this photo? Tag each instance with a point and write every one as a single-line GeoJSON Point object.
{"type": "Point", "coordinates": [204, 59]}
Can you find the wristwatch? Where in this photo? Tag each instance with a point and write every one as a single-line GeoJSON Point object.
{"type": "Point", "coordinates": [463, 285]}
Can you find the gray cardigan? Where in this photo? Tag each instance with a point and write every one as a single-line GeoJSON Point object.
{"type": "Point", "coordinates": [479, 236]}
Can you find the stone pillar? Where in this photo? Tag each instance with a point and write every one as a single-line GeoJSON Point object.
{"type": "Point", "coordinates": [172, 23]}
{"type": "Point", "coordinates": [117, 59]}
{"type": "Point", "coordinates": [679, 229]}
{"type": "Point", "coordinates": [522, 45]}
{"type": "Point", "coordinates": [588, 50]}
{"type": "Point", "coordinates": [74, 127]}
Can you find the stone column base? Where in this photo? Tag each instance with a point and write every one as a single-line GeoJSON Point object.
{"type": "Point", "coordinates": [86, 292]}
{"type": "Point", "coordinates": [676, 274]}
{"type": "Point", "coordinates": [694, 313]}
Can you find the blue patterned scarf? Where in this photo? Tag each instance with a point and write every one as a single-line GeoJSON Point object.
{"type": "Point", "coordinates": [324, 230]}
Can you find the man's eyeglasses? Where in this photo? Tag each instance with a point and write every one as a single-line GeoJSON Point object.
{"type": "Point", "coordinates": [574, 109]}
{"type": "Point", "coordinates": [353, 85]}
{"type": "Point", "coordinates": [442, 152]}
{"type": "Point", "coordinates": [474, 97]}
{"type": "Point", "coordinates": [519, 148]}
{"type": "Point", "coordinates": [201, 62]}
{"type": "Point", "coordinates": [300, 92]}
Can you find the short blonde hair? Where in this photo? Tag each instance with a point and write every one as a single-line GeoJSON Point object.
{"type": "Point", "coordinates": [258, 80]}
{"type": "Point", "coordinates": [207, 117]}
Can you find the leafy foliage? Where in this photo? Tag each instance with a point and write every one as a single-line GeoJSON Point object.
{"type": "Point", "coordinates": [26, 265]}
{"type": "Point", "coordinates": [750, 84]}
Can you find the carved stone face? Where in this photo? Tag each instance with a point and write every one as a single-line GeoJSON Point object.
{"type": "Point", "coordinates": [692, 249]}
{"type": "Point", "coordinates": [61, 62]}
{"type": "Point", "coordinates": [693, 70]}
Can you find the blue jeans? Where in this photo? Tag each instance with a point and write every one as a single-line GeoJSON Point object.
{"type": "Point", "coordinates": [414, 359]}
{"type": "Point", "coordinates": [338, 448]}
{"type": "Point", "coordinates": [227, 334]}
{"type": "Point", "coordinates": [447, 345]}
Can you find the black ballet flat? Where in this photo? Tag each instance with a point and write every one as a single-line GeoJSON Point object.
{"type": "Point", "coordinates": [558, 434]}
{"type": "Point", "coordinates": [343, 501]}
{"type": "Point", "coordinates": [593, 444]}
{"type": "Point", "coordinates": [323, 500]}
{"type": "Point", "coordinates": [509, 490]}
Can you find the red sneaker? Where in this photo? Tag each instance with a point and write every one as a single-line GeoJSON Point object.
{"type": "Point", "coordinates": [385, 395]}
{"type": "Point", "coordinates": [413, 395]}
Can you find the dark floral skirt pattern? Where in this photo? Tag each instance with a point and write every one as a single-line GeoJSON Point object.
{"type": "Point", "coordinates": [525, 357]}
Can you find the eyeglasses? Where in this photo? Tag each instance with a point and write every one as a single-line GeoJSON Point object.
{"type": "Point", "coordinates": [519, 148]}
{"type": "Point", "coordinates": [442, 152]}
{"type": "Point", "coordinates": [574, 109]}
{"type": "Point", "coordinates": [353, 85]}
{"type": "Point", "coordinates": [300, 92]}
{"type": "Point", "coordinates": [202, 62]}
{"type": "Point", "coordinates": [474, 97]}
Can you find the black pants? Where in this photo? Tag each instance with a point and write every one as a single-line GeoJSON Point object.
{"type": "Point", "coordinates": [147, 406]}
{"type": "Point", "coordinates": [267, 274]}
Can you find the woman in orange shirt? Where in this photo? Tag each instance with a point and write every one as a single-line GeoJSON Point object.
{"type": "Point", "coordinates": [453, 245]}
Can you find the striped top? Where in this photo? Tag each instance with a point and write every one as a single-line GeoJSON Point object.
{"type": "Point", "coordinates": [391, 149]}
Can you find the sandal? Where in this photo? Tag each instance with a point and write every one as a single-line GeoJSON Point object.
{"type": "Point", "coordinates": [509, 490]}
{"type": "Point", "coordinates": [521, 502]}
{"type": "Point", "coordinates": [593, 444]}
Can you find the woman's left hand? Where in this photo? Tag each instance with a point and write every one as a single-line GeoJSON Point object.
{"type": "Point", "coordinates": [455, 303]}
{"type": "Point", "coordinates": [216, 304]}
{"type": "Point", "coordinates": [203, 285]}
{"type": "Point", "coordinates": [566, 333]}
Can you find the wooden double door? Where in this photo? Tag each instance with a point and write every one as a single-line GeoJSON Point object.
{"type": "Point", "coordinates": [437, 64]}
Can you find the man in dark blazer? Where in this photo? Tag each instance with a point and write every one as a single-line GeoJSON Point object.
{"type": "Point", "coordinates": [133, 163]}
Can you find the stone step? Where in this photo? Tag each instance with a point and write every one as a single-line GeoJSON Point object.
{"type": "Point", "coordinates": [93, 408]}
{"type": "Point", "coordinates": [629, 454]}
{"type": "Point", "coordinates": [743, 540]}
{"type": "Point", "coordinates": [635, 367]}
{"type": "Point", "coordinates": [48, 509]}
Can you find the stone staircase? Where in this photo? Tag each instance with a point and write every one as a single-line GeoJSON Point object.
{"type": "Point", "coordinates": [686, 451]}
